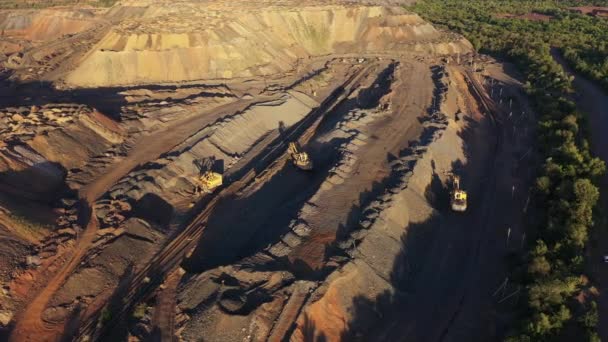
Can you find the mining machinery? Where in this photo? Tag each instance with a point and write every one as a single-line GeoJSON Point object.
{"type": "Point", "coordinates": [458, 197]}
{"type": "Point", "coordinates": [300, 158]}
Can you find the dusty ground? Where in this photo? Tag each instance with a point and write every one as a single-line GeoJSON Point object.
{"type": "Point", "coordinates": [591, 10]}
{"type": "Point", "coordinates": [528, 16]}
{"type": "Point", "coordinates": [106, 113]}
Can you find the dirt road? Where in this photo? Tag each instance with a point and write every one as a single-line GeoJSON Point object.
{"type": "Point", "coordinates": [164, 312]}
{"type": "Point", "coordinates": [151, 146]}
{"type": "Point", "coordinates": [29, 325]}
{"type": "Point", "coordinates": [593, 101]}
{"type": "Point", "coordinates": [451, 297]}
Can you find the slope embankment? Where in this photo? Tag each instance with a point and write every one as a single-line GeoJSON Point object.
{"type": "Point", "coordinates": [249, 41]}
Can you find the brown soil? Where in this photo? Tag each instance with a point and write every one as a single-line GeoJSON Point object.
{"type": "Point", "coordinates": [591, 10]}
{"type": "Point", "coordinates": [528, 16]}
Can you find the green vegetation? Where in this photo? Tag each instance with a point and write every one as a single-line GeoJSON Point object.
{"type": "Point", "coordinates": [566, 190]}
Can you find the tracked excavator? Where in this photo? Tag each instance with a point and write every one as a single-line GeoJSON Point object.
{"type": "Point", "coordinates": [458, 197]}
{"type": "Point", "coordinates": [300, 158]}
{"type": "Point", "coordinates": [207, 179]}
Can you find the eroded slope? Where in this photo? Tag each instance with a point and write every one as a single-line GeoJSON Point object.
{"type": "Point", "coordinates": [249, 41]}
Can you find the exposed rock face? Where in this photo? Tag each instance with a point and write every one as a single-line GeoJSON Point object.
{"type": "Point", "coordinates": [226, 140]}
{"type": "Point", "coordinates": [24, 171]}
{"type": "Point", "coordinates": [42, 144]}
{"type": "Point", "coordinates": [210, 42]}
{"type": "Point", "coordinates": [352, 297]}
{"type": "Point", "coordinates": [45, 24]}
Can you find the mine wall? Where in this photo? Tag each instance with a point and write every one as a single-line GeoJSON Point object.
{"type": "Point", "coordinates": [272, 288]}
{"type": "Point", "coordinates": [134, 227]}
{"type": "Point", "coordinates": [375, 248]}
{"type": "Point", "coordinates": [126, 56]}
{"type": "Point", "coordinates": [36, 141]}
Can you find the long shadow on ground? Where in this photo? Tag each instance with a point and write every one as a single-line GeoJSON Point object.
{"type": "Point", "coordinates": [385, 317]}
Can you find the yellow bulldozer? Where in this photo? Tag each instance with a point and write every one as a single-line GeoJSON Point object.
{"type": "Point", "coordinates": [210, 180]}
{"type": "Point", "coordinates": [300, 158]}
{"type": "Point", "coordinates": [458, 197]}
{"type": "Point", "coordinates": [207, 180]}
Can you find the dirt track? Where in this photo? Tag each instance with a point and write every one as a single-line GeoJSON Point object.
{"type": "Point", "coordinates": [30, 326]}
{"type": "Point", "coordinates": [149, 148]}
{"type": "Point", "coordinates": [453, 298]}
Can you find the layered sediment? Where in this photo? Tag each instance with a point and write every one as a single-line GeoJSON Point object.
{"type": "Point", "coordinates": [212, 43]}
{"type": "Point", "coordinates": [43, 25]}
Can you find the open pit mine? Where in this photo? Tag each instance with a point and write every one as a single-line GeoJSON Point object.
{"type": "Point", "coordinates": [273, 170]}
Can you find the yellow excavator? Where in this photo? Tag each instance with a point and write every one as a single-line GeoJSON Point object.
{"type": "Point", "coordinates": [208, 179]}
{"type": "Point", "coordinates": [300, 158]}
{"type": "Point", "coordinates": [458, 197]}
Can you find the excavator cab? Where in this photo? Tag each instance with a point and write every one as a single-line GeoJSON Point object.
{"type": "Point", "coordinates": [458, 197]}
{"type": "Point", "coordinates": [208, 180]}
{"type": "Point", "coordinates": [300, 159]}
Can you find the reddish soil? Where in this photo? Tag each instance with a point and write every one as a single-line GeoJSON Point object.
{"type": "Point", "coordinates": [30, 323]}
{"type": "Point", "coordinates": [164, 313]}
{"type": "Point", "coordinates": [107, 122]}
{"type": "Point", "coordinates": [528, 16]}
{"type": "Point", "coordinates": [591, 10]}
{"type": "Point", "coordinates": [30, 326]}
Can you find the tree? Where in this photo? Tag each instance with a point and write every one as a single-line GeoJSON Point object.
{"type": "Point", "coordinates": [540, 266]}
